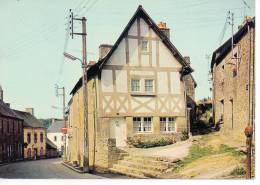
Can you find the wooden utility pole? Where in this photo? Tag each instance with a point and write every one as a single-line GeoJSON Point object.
{"type": "Point", "coordinates": [63, 113]}
{"type": "Point", "coordinates": [84, 86]}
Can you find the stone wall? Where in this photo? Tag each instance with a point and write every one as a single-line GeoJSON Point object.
{"type": "Point", "coordinates": [233, 89]}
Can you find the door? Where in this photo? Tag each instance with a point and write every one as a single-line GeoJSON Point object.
{"type": "Point", "coordinates": [118, 131]}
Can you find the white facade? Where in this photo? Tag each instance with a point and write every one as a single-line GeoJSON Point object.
{"type": "Point", "coordinates": [57, 138]}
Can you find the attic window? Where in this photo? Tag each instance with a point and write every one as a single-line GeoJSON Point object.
{"type": "Point", "coordinates": [144, 45]}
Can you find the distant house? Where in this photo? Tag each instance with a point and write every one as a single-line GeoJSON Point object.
{"type": "Point", "coordinates": [55, 135]}
{"type": "Point", "coordinates": [234, 81]}
{"type": "Point", "coordinates": [11, 133]}
{"type": "Point", "coordinates": [34, 135]}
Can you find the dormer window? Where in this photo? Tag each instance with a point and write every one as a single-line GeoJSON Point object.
{"type": "Point", "coordinates": [144, 45]}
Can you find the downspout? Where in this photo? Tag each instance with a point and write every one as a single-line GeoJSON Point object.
{"type": "Point", "coordinates": [249, 77]}
{"type": "Point", "coordinates": [95, 117]}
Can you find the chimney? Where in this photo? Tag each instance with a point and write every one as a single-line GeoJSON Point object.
{"type": "Point", "coordinates": [91, 63]}
{"type": "Point", "coordinates": [103, 50]}
{"type": "Point", "coordinates": [187, 59]}
{"type": "Point", "coordinates": [164, 29]}
{"type": "Point", "coordinates": [30, 110]}
{"type": "Point", "coordinates": [1, 94]}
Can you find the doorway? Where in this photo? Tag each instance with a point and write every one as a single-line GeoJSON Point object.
{"type": "Point", "coordinates": [118, 131]}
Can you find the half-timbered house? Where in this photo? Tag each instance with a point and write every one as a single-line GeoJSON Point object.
{"type": "Point", "coordinates": [135, 88]}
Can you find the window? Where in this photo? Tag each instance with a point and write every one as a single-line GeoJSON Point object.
{"type": "Point", "coordinates": [29, 153]}
{"type": "Point", "coordinates": [55, 138]}
{"type": "Point", "coordinates": [142, 124]}
{"type": "Point", "coordinates": [222, 110]}
{"type": "Point", "coordinates": [171, 124]}
{"type": "Point", "coordinates": [147, 124]}
{"type": "Point", "coordinates": [167, 124]}
{"type": "Point", "coordinates": [149, 85]}
{"type": "Point", "coordinates": [135, 85]}
{"type": "Point", "coordinates": [41, 137]}
{"type": "Point", "coordinates": [145, 45]}
{"type": "Point", "coordinates": [28, 138]}
{"type": "Point", "coordinates": [163, 124]}
{"type": "Point", "coordinates": [137, 124]}
{"type": "Point", "coordinates": [35, 138]}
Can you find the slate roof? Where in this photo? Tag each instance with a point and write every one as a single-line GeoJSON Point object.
{"type": "Point", "coordinates": [140, 12]}
{"type": "Point", "coordinates": [224, 49]}
{"type": "Point", "coordinates": [7, 112]}
{"type": "Point", "coordinates": [56, 126]}
{"type": "Point", "coordinates": [29, 119]}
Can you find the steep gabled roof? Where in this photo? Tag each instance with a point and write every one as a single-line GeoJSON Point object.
{"type": "Point", "coordinates": [29, 119]}
{"type": "Point", "coordinates": [8, 112]}
{"type": "Point", "coordinates": [220, 53]}
{"type": "Point", "coordinates": [140, 12]}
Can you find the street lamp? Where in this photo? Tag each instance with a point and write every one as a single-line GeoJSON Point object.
{"type": "Point", "coordinates": [85, 99]}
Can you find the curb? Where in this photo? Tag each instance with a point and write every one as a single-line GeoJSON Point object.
{"type": "Point", "coordinates": [70, 167]}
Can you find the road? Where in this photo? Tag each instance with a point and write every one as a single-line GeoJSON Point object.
{"type": "Point", "coordinates": [46, 169]}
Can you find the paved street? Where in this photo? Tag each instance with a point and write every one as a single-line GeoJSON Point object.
{"type": "Point", "coordinates": [46, 169]}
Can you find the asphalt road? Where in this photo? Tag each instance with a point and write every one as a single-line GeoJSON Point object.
{"type": "Point", "coordinates": [46, 169]}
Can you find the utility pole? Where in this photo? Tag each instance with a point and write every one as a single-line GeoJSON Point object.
{"type": "Point", "coordinates": [231, 22]}
{"type": "Point", "coordinates": [64, 119]}
{"type": "Point", "coordinates": [84, 85]}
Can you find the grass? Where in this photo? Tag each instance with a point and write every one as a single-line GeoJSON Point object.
{"type": "Point", "coordinates": [239, 171]}
{"type": "Point", "coordinates": [197, 152]}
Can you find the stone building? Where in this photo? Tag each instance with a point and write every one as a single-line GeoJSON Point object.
{"type": "Point", "coordinates": [11, 133]}
{"type": "Point", "coordinates": [135, 89]}
{"type": "Point", "coordinates": [34, 135]}
{"type": "Point", "coordinates": [233, 80]}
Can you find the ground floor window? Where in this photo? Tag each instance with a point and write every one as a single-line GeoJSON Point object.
{"type": "Point", "coordinates": [167, 124]}
{"type": "Point", "coordinates": [142, 124]}
{"type": "Point", "coordinates": [29, 153]}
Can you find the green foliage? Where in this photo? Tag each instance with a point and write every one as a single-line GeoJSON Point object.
{"type": "Point", "coordinates": [139, 143]}
{"type": "Point", "coordinates": [46, 122]}
{"type": "Point", "coordinates": [238, 171]}
{"type": "Point", "coordinates": [184, 135]}
{"type": "Point", "coordinates": [225, 148]}
{"type": "Point", "coordinates": [197, 152]}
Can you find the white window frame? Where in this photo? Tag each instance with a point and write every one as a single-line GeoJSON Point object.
{"type": "Point", "coordinates": [167, 125]}
{"type": "Point", "coordinates": [143, 125]}
{"type": "Point", "coordinates": [150, 79]}
{"type": "Point", "coordinates": [137, 79]}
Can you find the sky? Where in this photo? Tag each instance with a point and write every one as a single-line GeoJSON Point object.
{"type": "Point", "coordinates": [33, 38]}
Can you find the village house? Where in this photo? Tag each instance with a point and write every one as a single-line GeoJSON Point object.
{"type": "Point", "coordinates": [34, 135]}
{"type": "Point", "coordinates": [55, 135]}
{"type": "Point", "coordinates": [136, 88]}
{"type": "Point", "coordinates": [11, 133]}
{"type": "Point", "coordinates": [233, 80]}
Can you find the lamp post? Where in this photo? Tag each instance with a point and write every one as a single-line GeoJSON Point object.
{"type": "Point", "coordinates": [85, 99]}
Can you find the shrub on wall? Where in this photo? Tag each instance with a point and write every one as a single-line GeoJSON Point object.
{"type": "Point", "coordinates": [140, 142]}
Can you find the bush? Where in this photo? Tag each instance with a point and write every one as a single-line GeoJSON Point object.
{"type": "Point", "coordinates": [138, 142]}
{"type": "Point", "coordinates": [185, 135]}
